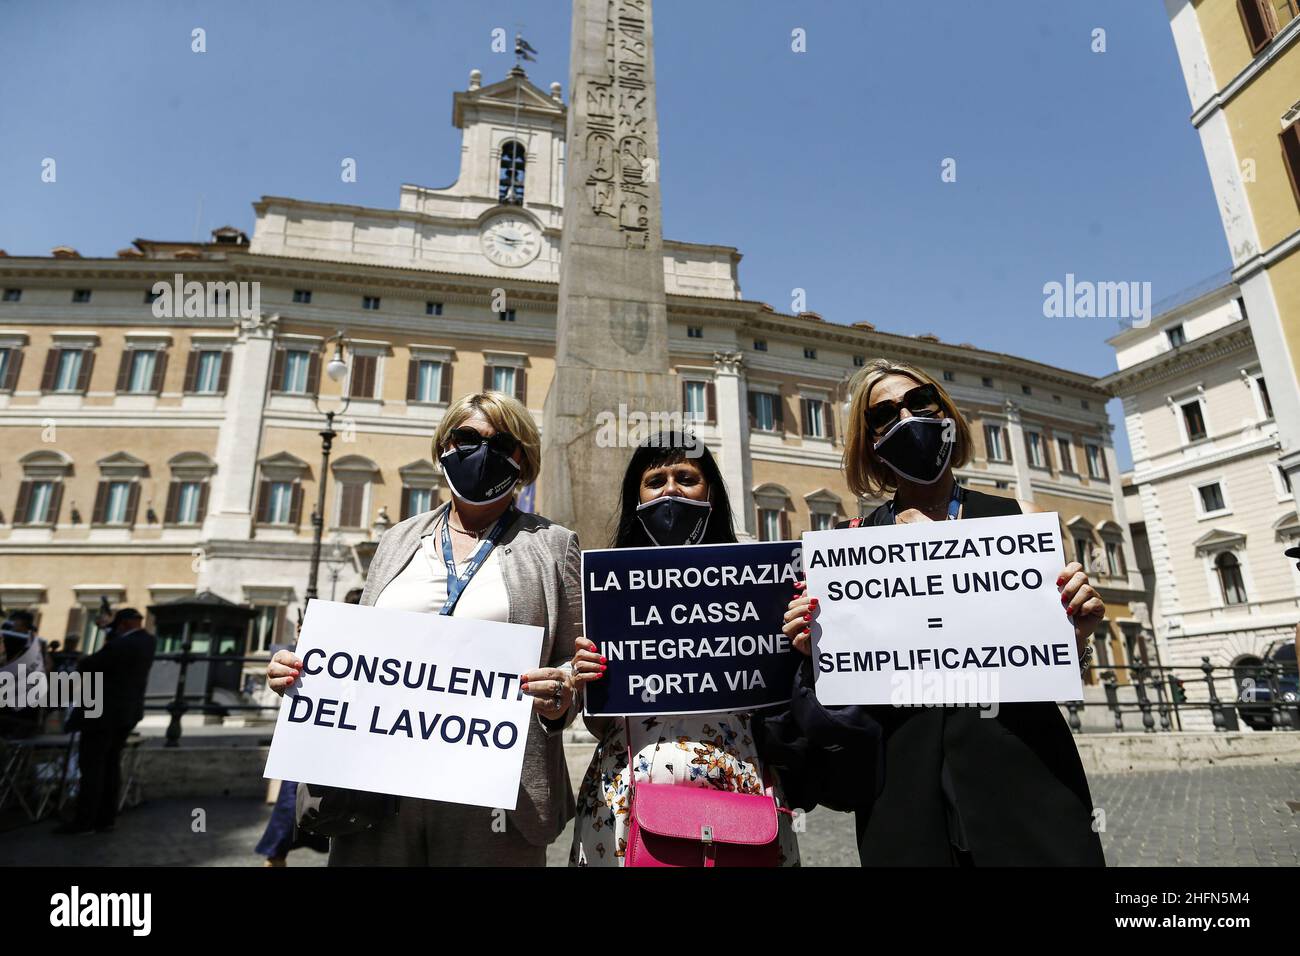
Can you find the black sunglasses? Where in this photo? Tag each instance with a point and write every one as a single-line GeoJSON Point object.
{"type": "Point", "coordinates": [922, 401]}
{"type": "Point", "coordinates": [468, 438]}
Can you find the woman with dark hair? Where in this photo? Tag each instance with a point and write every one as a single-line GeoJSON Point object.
{"type": "Point", "coordinates": [673, 494]}
{"type": "Point", "coordinates": [947, 785]}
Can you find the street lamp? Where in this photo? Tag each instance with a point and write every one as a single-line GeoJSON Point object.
{"type": "Point", "coordinates": [337, 370]}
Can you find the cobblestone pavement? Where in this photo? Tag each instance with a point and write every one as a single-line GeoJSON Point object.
{"type": "Point", "coordinates": [1215, 816]}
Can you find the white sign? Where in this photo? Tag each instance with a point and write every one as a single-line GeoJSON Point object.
{"type": "Point", "coordinates": [941, 612]}
{"type": "Point", "coordinates": [418, 705]}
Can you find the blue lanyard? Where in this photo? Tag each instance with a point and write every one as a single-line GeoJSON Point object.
{"type": "Point", "coordinates": [954, 504]}
{"type": "Point", "coordinates": [456, 583]}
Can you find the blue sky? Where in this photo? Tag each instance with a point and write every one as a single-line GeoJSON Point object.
{"type": "Point", "coordinates": [823, 167]}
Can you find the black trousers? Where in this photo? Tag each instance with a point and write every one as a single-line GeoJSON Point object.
{"type": "Point", "coordinates": [100, 758]}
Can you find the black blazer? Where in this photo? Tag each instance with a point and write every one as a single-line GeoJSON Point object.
{"type": "Point", "coordinates": [124, 661]}
{"type": "Point", "coordinates": [1017, 792]}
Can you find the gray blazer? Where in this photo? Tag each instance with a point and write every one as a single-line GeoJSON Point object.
{"type": "Point", "coordinates": [541, 564]}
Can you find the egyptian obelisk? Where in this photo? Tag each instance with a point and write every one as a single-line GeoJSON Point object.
{"type": "Point", "coordinates": [611, 343]}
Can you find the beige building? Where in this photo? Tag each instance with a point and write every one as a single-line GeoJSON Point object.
{"type": "Point", "coordinates": [1215, 508]}
{"type": "Point", "coordinates": [1241, 63]}
{"type": "Point", "coordinates": [151, 452]}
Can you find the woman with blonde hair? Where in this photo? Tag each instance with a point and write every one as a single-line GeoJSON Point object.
{"type": "Point", "coordinates": [948, 785]}
{"type": "Point", "coordinates": [479, 556]}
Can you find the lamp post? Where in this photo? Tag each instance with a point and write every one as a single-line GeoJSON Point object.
{"type": "Point", "coordinates": [337, 370]}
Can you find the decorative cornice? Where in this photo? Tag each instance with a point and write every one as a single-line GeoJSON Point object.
{"type": "Point", "coordinates": [1194, 354]}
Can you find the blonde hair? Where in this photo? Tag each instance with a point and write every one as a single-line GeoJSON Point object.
{"type": "Point", "coordinates": [505, 414]}
{"type": "Point", "coordinates": [867, 475]}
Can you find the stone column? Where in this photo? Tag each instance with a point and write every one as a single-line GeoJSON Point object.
{"type": "Point", "coordinates": [230, 514]}
{"type": "Point", "coordinates": [733, 439]}
{"type": "Point", "coordinates": [611, 337]}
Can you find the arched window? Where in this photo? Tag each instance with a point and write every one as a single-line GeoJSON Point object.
{"type": "Point", "coordinates": [1230, 581]}
{"type": "Point", "coordinates": [510, 180]}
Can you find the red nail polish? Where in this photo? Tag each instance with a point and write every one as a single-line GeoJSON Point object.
{"type": "Point", "coordinates": [807, 617]}
{"type": "Point", "coordinates": [602, 668]}
{"type": "Point", "coordinates": [1069, 611]}
{"type": "Point", "coordinates": [602, 660]}
{"type": "Point", "coordinates": [814, 602]}
{"type": "Point", "coordinates": [807, 632]}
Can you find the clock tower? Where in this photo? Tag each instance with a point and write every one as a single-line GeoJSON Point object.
{"type": "Point", "coordinates": [510, 190]}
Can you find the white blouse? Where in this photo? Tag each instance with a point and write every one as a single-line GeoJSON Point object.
{"type": "Point", "coordinates": [422, 585]}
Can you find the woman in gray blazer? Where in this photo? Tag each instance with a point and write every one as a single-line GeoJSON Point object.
{"type": "Point", "coordinates": [478, 556]}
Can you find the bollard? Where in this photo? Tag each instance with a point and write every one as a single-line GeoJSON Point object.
{"type": "Point", "coordinates": [1216, 709]}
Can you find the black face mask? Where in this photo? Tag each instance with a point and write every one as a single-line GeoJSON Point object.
{"type": "Point", "coordinates": [671, 521]}
{"type": "Point", "coordinates": [917, 448]}
{"type": "Point", "coordinates": [479, 475]}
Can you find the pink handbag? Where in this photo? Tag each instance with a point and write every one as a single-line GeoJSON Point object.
{"type": "Point", "coordinates": [694, 826]}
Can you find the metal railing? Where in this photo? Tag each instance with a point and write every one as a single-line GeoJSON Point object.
{"type": "Point", "coordinates": [1160, 697]}
{"type": "Point", "coordinates": [1263, 696]}
{"type": "Point", "coordinates": [181, 703]}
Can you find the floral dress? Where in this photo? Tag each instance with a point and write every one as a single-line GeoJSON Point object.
{"type": "Point", "coordinates": [688, 750]}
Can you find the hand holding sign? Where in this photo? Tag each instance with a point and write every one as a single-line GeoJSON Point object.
{"type": "Point", "coordinates": [421, 705]}
{"type": "Point", "coordinates": [926, 613]}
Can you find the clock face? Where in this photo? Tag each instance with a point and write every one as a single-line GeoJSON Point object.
{"type": "Point", "coordinates": [511, 241]}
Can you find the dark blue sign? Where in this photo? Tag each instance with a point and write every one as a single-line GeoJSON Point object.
{"type": "Point", "coordinates": [690, 630]}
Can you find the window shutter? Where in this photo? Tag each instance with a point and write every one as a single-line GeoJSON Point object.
{"type": "Point", "coordinates": [363, 377]}
{"type": "Point", "coordinates": [830, 421]}
{"type": "Point", "coordinates": [406, 503]}
{"type": "Point", "coordinates": [159, 372]}
{"type": "Point", "coordinates": [56, 501]}
{"type": "Point", "coordinates": [350, 495]}
{"type": "Point", "coordinates": [278, 631]}
{"type": "Point", "coordinates": [752, 401]}
{"type": "Point", "coordinates": [124, 369]}
{"type": "Point", "coordinates": [444, 376]}
{"type": "Point", "coordinates": [1290, 140]}
{"type": "Point", "coordinates": [87, 366]}
{"type": "Point", "coordinates": [295, 508]}
{"type": "Point", "coordinates": [778, 404]}
{"type": "Point", "coordinates": [173, 498]}
{"type": "Point", "coordinates": [785, 525]}
{"type": "Point", "coordinates": [15, 365]}
{"type": "Point", "coordinates": [1258, 22]}
{"type": "Point", "coordinates": [412, 379]}
{"type": "Point", "coordinates": [710, 402]}
{"type": "Point", "coordinates": [203, 501]}
{"type": "Point", "coordinates": [76, 615]}
{"type": "Point", "coordinates": [277, 370]}
{"type": "Point", "coordinates": [686, 406]}
{"type": "Point", "coordinates": [24, 497]}
{"type": "Point", "coordinates": [313, 374]}
{"type": "Point", "coordinates": [223, 373]}
{"type": "Point", "coordinates": [803, 416]}
{"type": "Point", "coordinates": [521, 385]}
{"type": "Point", "coordinates": [263, 501]}
{"type": "Point", "coordinates": [132, 502]}
{"type": "Point", "coordinates": [487, 378]}
{"type": "Point", "coordinates": [101, 503]}
{"type": "Point", "coordinates": [1006, 443]}
{"type": "Point", "coordinates": [191, 370]}
{"type": "Point", "coordinates": [51, 369]}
